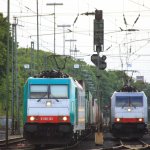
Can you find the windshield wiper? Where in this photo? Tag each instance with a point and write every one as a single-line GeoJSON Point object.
{"type": "Point", "coordinates": [132, 105]}
{"type": "Point", "coordinates": [44, 96]}
{"type": "Point", "coordinates": [124, 105]}
{"type": "Point", "coordinates": [41, 98]}
{"type": "Point", "coordinates": [51, 96]}
{"type": "Point", "coordinates": [57, 100]}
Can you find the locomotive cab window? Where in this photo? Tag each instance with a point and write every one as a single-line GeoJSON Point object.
{"type": "Point", "coordinates": [126, 101]}
{"type": "Point", "coordinates": [58, 91]}
{"type": "Point", "coordinates": [38, 91]}
{"type": "Point", "coordinates": [136, 101]}
{"type": "Point", "coordinates": [122, 101]}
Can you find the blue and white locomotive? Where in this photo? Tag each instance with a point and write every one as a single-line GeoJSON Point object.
{"type": "Point", "coordinates": [129, 113]}
{"type": "Point", "coordinates": [55, 110]}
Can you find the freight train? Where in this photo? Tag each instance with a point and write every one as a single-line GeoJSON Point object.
{"type": "Point", "coordinates": [57, 109]}
{"type": "Point", "coordinates": [129, 113]}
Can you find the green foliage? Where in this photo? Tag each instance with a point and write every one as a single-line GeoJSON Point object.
{"type": "Point", "coordinates": [3, 29]}
{"type": "Point", "coordinates": [143, 86]}
{"type": "Point", "coordinates": [2, 59]}
{"type": "Point", "coordinates": [3, 44]}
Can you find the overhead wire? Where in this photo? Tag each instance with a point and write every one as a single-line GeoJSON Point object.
{"type": "Point", "coordinates": [81, 32]}
{"type": "Point", "coordinates": [140, 4]}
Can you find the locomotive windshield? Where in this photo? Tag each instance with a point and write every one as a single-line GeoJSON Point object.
{"type": "Point", "coordinates": [58, 91]}
{"type": "Point", "coordinates": [39, 91]}
{"type": "Point", "coordinates": [126, 101]}
{"type": "Point", "coordinates": [48, 91]}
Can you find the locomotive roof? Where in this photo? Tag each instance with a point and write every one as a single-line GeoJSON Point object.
{"type": "Point", "coordinates": [128, 88]}
{"type": "Point", "coordinates": [141, 93]}
{"type": "Point", "coordinates": [51, 74]}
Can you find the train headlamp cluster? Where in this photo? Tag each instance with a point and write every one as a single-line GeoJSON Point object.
{"type": "Point", "coordinates": [32, 118]}
{"type": "Point", "coordinates": [140, 119]}
{"type": "Point", "coordinates": [48, 104]}
{"type": "Point", "coordinates": [118, 119]}
{"type": "Point", "coordinates": [129, 109]}
{"type": "Point", "coordinates": [125, 120]}
{"type": "Point", "coordinates": [63, 118]}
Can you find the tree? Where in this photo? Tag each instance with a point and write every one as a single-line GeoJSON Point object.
{"type": "Point", "coordinates": [3, 45]}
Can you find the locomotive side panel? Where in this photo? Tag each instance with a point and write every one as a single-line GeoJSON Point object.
{"type": "Point", "coordinates": [80, 108]}
{"type": "Point", "coordinates": [91, 111]}
{"type": "Point", "coordinates": [145, 105]}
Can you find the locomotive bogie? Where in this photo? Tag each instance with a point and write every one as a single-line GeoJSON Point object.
{"type": "Point", "coordinates": [129, 130]}
{"type": "Point", "coordinates": [48, 133]}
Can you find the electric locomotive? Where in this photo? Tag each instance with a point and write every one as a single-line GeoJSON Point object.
{"type": "Point", "coordinates": [129, 113]}
{"type": "Point", "coordinates": [55, 109]}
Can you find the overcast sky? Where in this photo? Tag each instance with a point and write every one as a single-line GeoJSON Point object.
{"type": "Point", "coordinates": [121, 47]}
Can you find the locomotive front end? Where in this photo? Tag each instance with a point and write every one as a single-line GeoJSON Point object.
{"type": "Point", "coordinates": [129, 114]}
{"type": "Point", "coordinates": [47, 117]}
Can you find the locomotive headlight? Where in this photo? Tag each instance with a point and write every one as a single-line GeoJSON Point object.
{"type": "Point", "coordinates": [64, 118]}
{"type": "Point", "coordinates": [48, 104]}
{"type": "Point", "coordinates": [118, 119]}
{"type": "Point", "coordinates": [32, 118]}
{"type": "Point", "coordinates": [129, 109]}
{"type": "Point", "coordinates": [140, 119]}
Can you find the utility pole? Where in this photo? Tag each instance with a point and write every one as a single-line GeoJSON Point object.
{"type": "Point", "coordinates": [75, 51]}
{"type": "Point", "coordinates": [7, 72]}
{"type": "Point", "coordinates": [13, 83]}
{"type": "Point", "coordinates": [37, 34]}
{"type": "Point", "coordinates": [71, 40]}
{"type": "Point", "coordinates": [64, 36]}
{"type": "Point", "coordinates": [32, 66]}
{"type": "Point", "coordinates": [45, 62]}
{"type": "Point", "coordinates": [17, 88]}
{"type": "Point", "coordinates": [54, 4]}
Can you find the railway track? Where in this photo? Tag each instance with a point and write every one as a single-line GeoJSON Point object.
{"type": "Point", "coordinates": [11, 141]}
{"type": "Point", "coordinates": [130, 145]}
{"type": "Point", "coordinates": [20, 143]}
{"type": "Point", "coordinates": [67, 147]}
{"type": "Point", "coordinates": [135, 145]}
{"type": "Point", "coordinates": [15, 143]}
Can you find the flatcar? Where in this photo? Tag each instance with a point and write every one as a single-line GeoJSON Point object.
{"type": "Point", "coordinates": [129, 113]}
{"type": "Point", "coordinates": [56, 110]}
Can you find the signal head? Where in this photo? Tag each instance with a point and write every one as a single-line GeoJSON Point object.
{"type": "Point", "coordinates": [104, 57]}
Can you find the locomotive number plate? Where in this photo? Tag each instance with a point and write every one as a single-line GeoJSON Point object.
{"type": "Point", "coordinates": [47, 118]}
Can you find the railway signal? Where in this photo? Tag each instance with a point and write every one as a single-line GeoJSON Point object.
{"type": "Point", "coordinates": [102, 64]}
{"type": "Point", "coordinates": [99, 30]}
